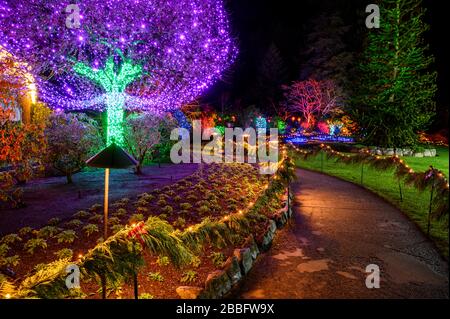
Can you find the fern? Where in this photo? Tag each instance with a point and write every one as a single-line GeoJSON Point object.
{"type": "Point", "coordinates": [10, 239]}
{"type": "Point", "coordinates": [217, 258]}
{"type": "Point", "coordinates": [163, 261]}
{"type": "Point", "coordinates": [25, 231]}
{"type": "Point", "coordinates": [54, 221]}
{"type": "Point", "coordinates": [34, 243]}
{"type": "Point", "coordinates": [90, 229]}
{"type": "Point", "coordinates": [155, 276]}
{"type": "Point", "coordinates": [189, 276]}
{"type": "Point", "coordinates": [67, 236]}
{"type": "Point", "coordinates": [10, 261]}
{"type": "Point", "coordinates": [48, 231]}
{"type": "Point", "coordinates": [64, 253]}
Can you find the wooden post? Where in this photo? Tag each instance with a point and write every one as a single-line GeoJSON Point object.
{"type": "Point", "coordinates": [105, 205]}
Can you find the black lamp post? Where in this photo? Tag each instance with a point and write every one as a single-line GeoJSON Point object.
{"type": "Point", "coordinates": [111, 157]}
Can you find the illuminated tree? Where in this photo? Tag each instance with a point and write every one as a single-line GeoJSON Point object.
{"type": "Point", "coordinates": [312, 99]}
{"type": "Point", "coordinates": [395, 90]}
{"type": "Point", "coordinates": [142, 135]}
{"type": "Point", "coordinates": [72, 139]}
{"type": "Point", "coordinates": [152, 55]}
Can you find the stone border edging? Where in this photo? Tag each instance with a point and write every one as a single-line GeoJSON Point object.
{"type": "Point", "coordinates": [219, 283]}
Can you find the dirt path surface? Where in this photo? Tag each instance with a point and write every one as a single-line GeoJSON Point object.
{"type": "Point", "coordinates": [338, 229]}
{"type": "Point", "coordinates": [53, 197]}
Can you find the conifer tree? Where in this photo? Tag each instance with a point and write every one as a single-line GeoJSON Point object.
{"type": "Point", "coordinates": [396, 86]}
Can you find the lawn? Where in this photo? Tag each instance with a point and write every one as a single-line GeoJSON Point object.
{"type": "Point", "coordinates": [415, 204]}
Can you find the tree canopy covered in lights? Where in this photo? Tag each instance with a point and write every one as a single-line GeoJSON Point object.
{"type": "Point", "coordinates": [152, 55]}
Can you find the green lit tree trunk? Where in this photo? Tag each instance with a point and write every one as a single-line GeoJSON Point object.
{"type": "Point", "coordinates": [113, 79]}
{"type": "Point", "coordinates": [115, 103]}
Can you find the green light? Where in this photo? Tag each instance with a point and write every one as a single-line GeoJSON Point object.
{"type": "Point", "coordinates": [114, 83]}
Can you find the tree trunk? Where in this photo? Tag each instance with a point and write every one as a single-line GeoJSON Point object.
{"type": "Point", "coordinates": [138, 169]}
{"type": "Point", "coordinates": [69, 179]}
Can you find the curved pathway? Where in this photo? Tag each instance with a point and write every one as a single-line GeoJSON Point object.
{"type": "Point", "coordinates": [337, 231]}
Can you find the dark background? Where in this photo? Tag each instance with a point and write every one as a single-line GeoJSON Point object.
{"type": "Point", "coordinates": [259, 23]}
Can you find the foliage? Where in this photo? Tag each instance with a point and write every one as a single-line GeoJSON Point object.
{"type": "Point", "coordinates": [141, 134]}
{"type": "Point", "coordinates": [34, 243]}
{"type": "Point", "coordinates": [48, 231]}
{"type": "Point", "coordinates": [313, 100]}
{"type": "Point", "coordinates": [217, 258]}
{"type": "Point", "coordinates": [396, 86]}
{"type": "Point", "coordinates": [90, 229]}
{"type": "Point", "coordinates": [189, 276]}
{"type": "Point", "coordinates": [22, 146]}
{"type": "Point", "coordinates": [146, 296]}
{"type": "Point", "coordinates": [163, 261]}
{"type": "Point", "coordinates": [10, 239]}
{"type": "Point", "coordinates": [66, 236]}
{"type": "Point", "coordinates": [72, 139]}
{"type": "Point", "coordinates": [64, 253]}
{"type": "Point", "coordinates": [155, 276]}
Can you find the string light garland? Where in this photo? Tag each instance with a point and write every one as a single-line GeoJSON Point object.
{"type": "Point", "coordinates": [151, 55]}
{"type": "Point", "coordinates": [430, 179]}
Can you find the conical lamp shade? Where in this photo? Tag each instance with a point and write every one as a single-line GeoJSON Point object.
{"type": "Point", "coordinates": [112, 157]}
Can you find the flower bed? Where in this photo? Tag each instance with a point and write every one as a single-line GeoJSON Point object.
{"type": "Point", "coordinates": [191, 228]}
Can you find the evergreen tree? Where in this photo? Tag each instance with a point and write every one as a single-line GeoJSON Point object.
{"type": "Point", "coordinates": [396, 88]}
{"type": "Point", "coordinates": [272, 74]}
{"type": "Point", "coordinates": [327, 56]}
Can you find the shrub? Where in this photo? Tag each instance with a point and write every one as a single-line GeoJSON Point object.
{"type": "Point", "coordinates": [177, 198]}
{"type": "Point", "coordinates": [25, 231]}
{"type": "Point", "coordinates": [90, 229]}
{"type": "Point", "coordinates": [155, 276]}
{"type": "Point", "coordinates": [81, 214]}
{"type": "Point", "coordinates": [163, 261]}
{"type": "Point", "coordinates": [189, 276]}
{"type": "Point", "coordinates": [64, 253]}
{"type": "Point", "coordinates": [10, 239]}
{"type": "Point", "coordinates": [167, 210]}
{"type": "Point", "coordinates": [163, 216]}
{"type": "Point", "coordinates": [185, 206]}
{"type": "Point", "coordinates": [34, 243]}
{"type": "Point", "coordinates": [67, 236]}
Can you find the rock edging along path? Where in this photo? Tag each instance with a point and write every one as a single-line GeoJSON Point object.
{"type": "Point", "coordinates": [339, 229]}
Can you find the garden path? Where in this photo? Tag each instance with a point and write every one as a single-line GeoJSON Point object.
{"type": "Point", "coordinates": [338, 229]}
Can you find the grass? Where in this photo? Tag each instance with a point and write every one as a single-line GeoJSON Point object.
{"type": "Point", "coordinates": [415, 204]}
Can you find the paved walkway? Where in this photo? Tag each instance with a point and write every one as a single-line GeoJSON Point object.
{"type": "Point", "coordinates": [339, 229]}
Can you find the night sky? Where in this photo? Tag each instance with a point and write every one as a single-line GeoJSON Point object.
{"type": "Point", "coordinates": [258, 23]}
